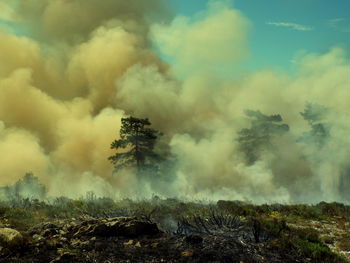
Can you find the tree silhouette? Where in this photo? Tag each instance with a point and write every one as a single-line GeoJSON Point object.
{"type": "Point", "coordinates": [27, 187]}
{"type": "Point", "coordinates": [316, 115]}
{"type": "Point", "coordinates": [263, 128]}
{"type": "Point", "coordinates": [139, 142]}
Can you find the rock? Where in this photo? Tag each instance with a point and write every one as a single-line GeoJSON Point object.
{"type": "Point", "coordinates": [43, 228]}
{"type": "Point", "coordinates": [10, 237]}
{"type": "Point", "coordinates": [126, 228]}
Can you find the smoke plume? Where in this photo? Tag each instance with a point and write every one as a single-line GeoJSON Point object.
{"type": "Point", "coordinates": [70, 70]}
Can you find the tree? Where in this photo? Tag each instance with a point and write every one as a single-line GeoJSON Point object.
{"type": "Point", "coordinates": [316, 115]}
{"type": "Point", "coordinates": [263, 128]}
{"type": "Point", "coordinates": [139, 142]}
{"type": "Point", "coordinates": [27, 187]}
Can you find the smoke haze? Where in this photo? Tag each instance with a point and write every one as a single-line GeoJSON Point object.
{"type": "Point", "coordinates": [70, 70]}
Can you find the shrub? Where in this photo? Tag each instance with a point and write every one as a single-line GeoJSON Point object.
{"type": "Point", "coordinates": [307, 243]}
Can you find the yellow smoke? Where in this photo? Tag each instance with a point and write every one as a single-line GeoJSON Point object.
{"type": "Point", "coordinates": [59, 63]}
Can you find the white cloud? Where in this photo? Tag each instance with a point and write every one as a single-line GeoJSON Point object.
{"type": "Point", "coordinates": [291, 25]}
{"type": "Point", "coordinates": [337, 20]}
{"type": "Point", "coordinates": [339, 24]}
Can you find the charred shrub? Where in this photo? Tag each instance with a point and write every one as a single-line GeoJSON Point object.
{"type": "Point", "coordinates": [264, 229]}
{"type": "Point", "coordinates": [216, 224]}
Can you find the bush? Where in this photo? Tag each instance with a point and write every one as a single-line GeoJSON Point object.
{"type": "Point", "coordinates": [307, 243]}
{"type": "Point", "coordinates": [20, 218]}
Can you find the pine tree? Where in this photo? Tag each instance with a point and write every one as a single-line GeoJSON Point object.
{"type": "Point", "coordinates": [258, 137]}
{"type": "Point", "coordinates": [139, 142]}
{"type": "Point", "coordinates": [316, 115]}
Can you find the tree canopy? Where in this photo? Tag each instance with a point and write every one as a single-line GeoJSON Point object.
{"type": "Point", "coordinates": [139, 142]}
{"type": "Point", "coordinates": [263, 128]}
{"type": "Point", "coordinates": [27, 187]}
{"type": "Point", "coordinates": [316, 116]}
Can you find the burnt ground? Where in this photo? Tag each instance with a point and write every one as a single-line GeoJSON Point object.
{"type": "Point", "coordinates": [104, 230]}
{"type": "Point", "coordinates": [136, 239]}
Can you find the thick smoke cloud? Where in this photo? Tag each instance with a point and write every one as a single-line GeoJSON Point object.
{"type": "Point", "coordinates": [60, 20]}
{"type": "Point", "coordinates": [69, 70]}
{"type": "Point", "coordinates": [215, 40]}
{"type": "Point", "coordinates": [20, 150]}
{"type": "Point", "coordinates": [59, 63]}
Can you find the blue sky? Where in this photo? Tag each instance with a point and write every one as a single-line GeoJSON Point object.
{"type": "Point", "coordinates": [281, 29]}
